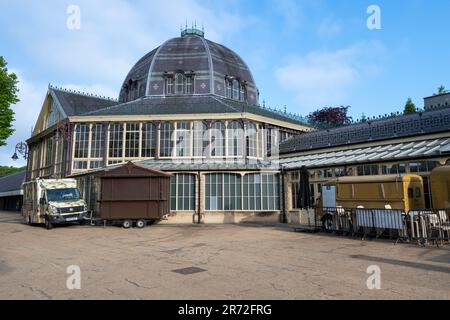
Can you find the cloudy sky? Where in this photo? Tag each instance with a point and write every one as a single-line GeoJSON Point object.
{"type": "Point", "coordinates": [304, 54]}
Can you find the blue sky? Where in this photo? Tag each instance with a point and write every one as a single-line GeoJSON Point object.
{"type": "Point", "coordinates": [304, 54]}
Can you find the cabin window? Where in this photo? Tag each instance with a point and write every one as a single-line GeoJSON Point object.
{"type": "Point", "coordinates": [418, 193]}
{"type": "Point", "coordinates": [410, 193]}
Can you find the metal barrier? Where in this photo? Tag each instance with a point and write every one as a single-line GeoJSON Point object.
{"type": "Point", "coordinates": [424, 226]}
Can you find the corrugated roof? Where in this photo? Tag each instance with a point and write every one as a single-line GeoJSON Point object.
{"type": "Point", "coordinates": [392, 152]}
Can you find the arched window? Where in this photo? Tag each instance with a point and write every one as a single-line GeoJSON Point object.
{"type": "Point", "coordinates": [179, 83]}
{"type": "Point", "coordinates": [235, 89]}
{"type": "Point", "coordinates": [228, 89]}
{"type": "Point", "coordinates": [235, 137]}
{"type": "Point", "coordinates": [190, 85]}
{"type": "Point", "coordinates": [218, 139]}
{"type": "Point", "coordinates": [169, 85]}
{"type": "Point", "coordinates": [243, 94]}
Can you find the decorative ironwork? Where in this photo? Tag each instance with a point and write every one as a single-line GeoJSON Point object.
{"type": "Point", "coordinates": [22, 149]}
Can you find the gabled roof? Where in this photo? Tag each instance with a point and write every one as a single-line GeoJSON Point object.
{"type": "Point", "coordinates": [398, 127]}
{"type": "Point", "coordinates": [75, 103]}
{"type": "Point", "coordinates": [195, 104]}
{"type": "Point", "coordinates": [12, 184]}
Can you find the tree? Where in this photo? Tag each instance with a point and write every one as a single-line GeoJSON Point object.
{"type": "Point", "coordinates": [441, 90]}
{"type": "Point", "coordinates": [8, 97]}
{"type": "Point", "coordinates": [330, 117]}
{"type": "Point", "coordinates": [5, 171]}
{"type": "Point", "coordinates": [410, 107]}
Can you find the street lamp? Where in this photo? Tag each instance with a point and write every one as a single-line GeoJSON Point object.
{"type": "Point", "coordinates": [22, 149]}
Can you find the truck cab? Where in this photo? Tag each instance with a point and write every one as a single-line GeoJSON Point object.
{"type": "Point", "coordinates": [53, 201]}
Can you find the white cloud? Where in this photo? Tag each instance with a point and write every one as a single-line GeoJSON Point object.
{"type": "Point", "coordinates": [291, 12]}
{"type": "Point", "coordinates": [324, 78]}
{"type": "Point", "coordinates": [329, 27]}
{"type": "Point", "coordinates": [114, 34]}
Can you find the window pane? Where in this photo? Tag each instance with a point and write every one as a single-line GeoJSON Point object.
{"type": "Point", "coordinates": [166, 143]}
{"type": "Point", "coordinates": [183, 139]}
{"type": "Point", "coordinates": [148, 140]}
{"type": "Point", "coordinates": [116, 140]}
{"type": "Point", "coordinates": [132, 140]}
{"type": "Point", "coordinates": [82, 141]}
{"type": "Point", "coordinates": [97, 142]}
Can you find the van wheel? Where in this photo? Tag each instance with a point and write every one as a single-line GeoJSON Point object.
{"type": "Point", "coordinates": [140, 224]}
{"type": "Point", "coordinates": [327, 223]}
{"type": "Point", "coordinates": [48, 224]}
{"type": "Point", "coordinates": [126, 224]}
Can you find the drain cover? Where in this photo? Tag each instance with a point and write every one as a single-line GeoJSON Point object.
{"type": "Point", "coordinates": [190, 270]}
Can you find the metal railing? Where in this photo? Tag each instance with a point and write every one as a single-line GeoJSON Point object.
{"type": "Point", "coordinates": [424, 226]}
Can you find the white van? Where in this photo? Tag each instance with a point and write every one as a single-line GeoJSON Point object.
{"type": "Point", "coordinates": [53, 201]}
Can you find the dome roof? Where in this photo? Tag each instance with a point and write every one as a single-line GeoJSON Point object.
{"type": "Point", "coordinates": [209, 64]}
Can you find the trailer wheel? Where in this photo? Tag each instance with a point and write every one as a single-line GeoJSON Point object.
{"type": "Point", "coordinates": [127, 224]}
{"type": "Point", "coordinates": [140, 224]}
{"type": "Point", "coordinates": [48, 224]}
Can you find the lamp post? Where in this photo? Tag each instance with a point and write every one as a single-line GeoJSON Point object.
{"type": "Point", "coordinates": [22, 149]}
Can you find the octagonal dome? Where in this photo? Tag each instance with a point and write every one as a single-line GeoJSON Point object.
{"type": "Point", "coordinates": [209, 66]}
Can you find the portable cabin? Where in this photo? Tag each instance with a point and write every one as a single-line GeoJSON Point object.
{"type": "Point", "coordinates": [403, 192]}
{"type": "Point", "coordinates": [440, 187]}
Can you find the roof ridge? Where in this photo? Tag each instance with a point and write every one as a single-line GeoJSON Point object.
{"type": "Point", "coordinates": [80, 93]}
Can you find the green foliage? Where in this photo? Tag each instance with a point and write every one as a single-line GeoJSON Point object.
{"type": "Point", "coordinates": [8, 97]}
{"type": "Point", "coordinates": [4, 170]}
{"type": "Point", "coordinates": [410, 107]}
{"type": "Point", "coordinates": [441, 90]}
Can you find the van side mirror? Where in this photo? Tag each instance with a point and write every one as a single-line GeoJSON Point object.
{"type": "Point", "coordinates": [42, 201]}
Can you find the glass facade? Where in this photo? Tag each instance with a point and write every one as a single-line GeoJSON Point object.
{"type": "Point", "coordinates": [250, 192]}
{"type": "Point", "coordinates": [182, 192]}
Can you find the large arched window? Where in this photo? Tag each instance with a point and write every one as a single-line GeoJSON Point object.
{"type": "Point", "coordinates": [235, 137]}
{"type": "Point", "coordinates": [217, 139]}
{"type": "Point", "coordinates": [179, 83]}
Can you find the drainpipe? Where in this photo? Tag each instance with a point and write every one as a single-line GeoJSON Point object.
{"type": "Point", "coordinates": [283, 198]}
{"type": "Point", "coordinates": [199, 198]}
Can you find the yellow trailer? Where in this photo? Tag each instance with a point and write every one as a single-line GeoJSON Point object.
{"type": "Point", "coordinates": [403, 192]}
{"type": "Point", "coordinates": [440, 187]}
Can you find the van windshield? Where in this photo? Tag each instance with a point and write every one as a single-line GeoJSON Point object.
{"type": "Point", "coordinates": [69, 194]}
